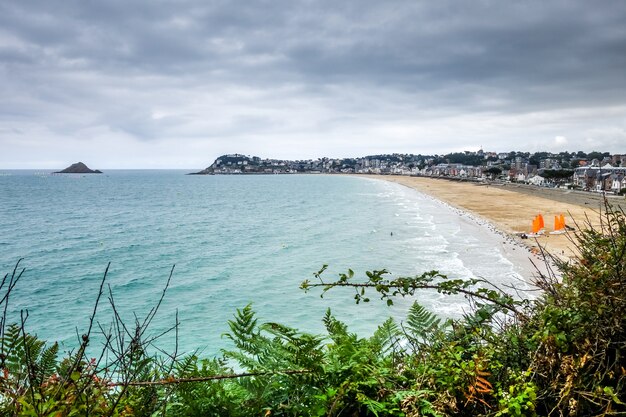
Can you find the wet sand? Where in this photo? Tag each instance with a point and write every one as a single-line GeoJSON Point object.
{"type": "Point", "coordinates": [511, 209]}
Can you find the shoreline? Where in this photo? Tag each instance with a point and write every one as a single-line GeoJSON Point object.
{"type": "Point", "coordinates": [509, 211]}
{"type": "Point", "coordinates": [508, 214]}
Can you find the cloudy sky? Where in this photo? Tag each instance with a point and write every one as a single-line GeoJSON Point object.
{"type": "Point", "coordinates": [174, 84]}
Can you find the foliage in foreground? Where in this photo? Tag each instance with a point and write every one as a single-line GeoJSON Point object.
{"type": "Point", "coordinates": [560, 355]}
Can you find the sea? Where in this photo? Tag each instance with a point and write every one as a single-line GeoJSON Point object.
{"type": "Point", "coordinates": [228, 242]}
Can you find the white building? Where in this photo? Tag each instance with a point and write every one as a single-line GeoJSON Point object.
{"type": "Point", "coordinates": [537, 180]}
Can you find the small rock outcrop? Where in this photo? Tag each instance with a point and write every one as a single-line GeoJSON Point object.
{"type": "Point", "coordinates": [78, 168]}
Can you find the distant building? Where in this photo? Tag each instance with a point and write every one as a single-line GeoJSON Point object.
{"type": "Point", "coordinates": [599, 178]}
{"type": "Point", "coordinates": [537, 180]}
{"type": "Point", "coordinates": [618, 160]}
{"type": "Point", "coordinates": [549, 163]}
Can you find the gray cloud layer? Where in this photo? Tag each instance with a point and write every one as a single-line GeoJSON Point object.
{"type": "Point", "coordinates": [174, 84]}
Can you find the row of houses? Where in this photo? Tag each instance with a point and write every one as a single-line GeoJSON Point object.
{"type": "Point", "coordinates": [606, 178]}
{"type": "Point", "coordinates": [453, 170]}
{"type": "Point", "coordinates": [594, 177]}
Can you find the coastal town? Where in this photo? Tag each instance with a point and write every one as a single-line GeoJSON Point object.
{"type": "Point", "coordinates": [594, 171]}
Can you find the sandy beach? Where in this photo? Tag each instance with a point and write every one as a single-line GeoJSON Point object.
{"type": "Point", "coordinates": [511, 209]}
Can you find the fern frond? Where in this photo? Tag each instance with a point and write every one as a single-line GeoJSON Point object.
{"type": "Point", "coordinates": [13, 344]}
{"type": "Point", "coordinates": [187, 366]}
{"type": "Point", "coordinates": [252, 347]}
{"type": "Point", "coordinates": [244, 330]}
{"type": "Point", "coordinates": [479, 387]}
{"type": "Point", "coordinates": [421, 324]}
{"type": "Point", "coordinates": [26, 357]}
{"type": "Point", "coordinates": [20, 348]}
{"type": "Point", "coordinates": [279, 330]}
{"type": "Point", "coordinates": [386, 335]}
{"type": "Point", "coordinates": [336, 329]}
{"type": "Point", "coordinates": [48, 362]}
{"type": "Point", "coordinates": [33, 346]}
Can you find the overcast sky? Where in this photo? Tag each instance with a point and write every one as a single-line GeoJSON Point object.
{"type": "Point", "coordinates": [174, 84]}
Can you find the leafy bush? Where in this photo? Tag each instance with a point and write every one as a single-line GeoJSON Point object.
{"type": "Point", "coordinates": [562, 354]}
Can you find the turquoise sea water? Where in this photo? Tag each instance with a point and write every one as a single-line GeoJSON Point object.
{"type": "Point", "coordinates": [234, 240]}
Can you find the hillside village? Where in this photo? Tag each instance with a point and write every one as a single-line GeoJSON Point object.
{"type": "Point", "coordinates": [595, 171]}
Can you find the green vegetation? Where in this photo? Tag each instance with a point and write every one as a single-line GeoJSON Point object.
{"type": "Point", "coordinates": [465, 158]}
{"type": "Point", "coordinates": [558, 175]}
{"type": "Point", "coordinates": [562, 354]}
{"type": "Point", "coordinates": [494, 172]}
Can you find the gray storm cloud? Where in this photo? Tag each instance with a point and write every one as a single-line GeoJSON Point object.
{"type": "Point", "coordinates": [306, 79]}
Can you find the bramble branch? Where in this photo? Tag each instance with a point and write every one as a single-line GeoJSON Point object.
{"type": "Point", "coordinates": [170, 381]}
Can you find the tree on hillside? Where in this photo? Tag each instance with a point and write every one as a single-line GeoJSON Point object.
{"type": "Point", "coordinates": [536, 158]}
{"type": "Point", "coordinates": [493, 172]}
{"type": "Point", "coordinates": [598, 155]}
{"type": "Point", "coordinates": [464, 158]}
{"type": "Point", "coordinates": [558, 175]}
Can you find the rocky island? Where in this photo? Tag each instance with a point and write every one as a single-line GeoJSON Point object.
{"type": "Point", "coordinates": [78, 168]}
